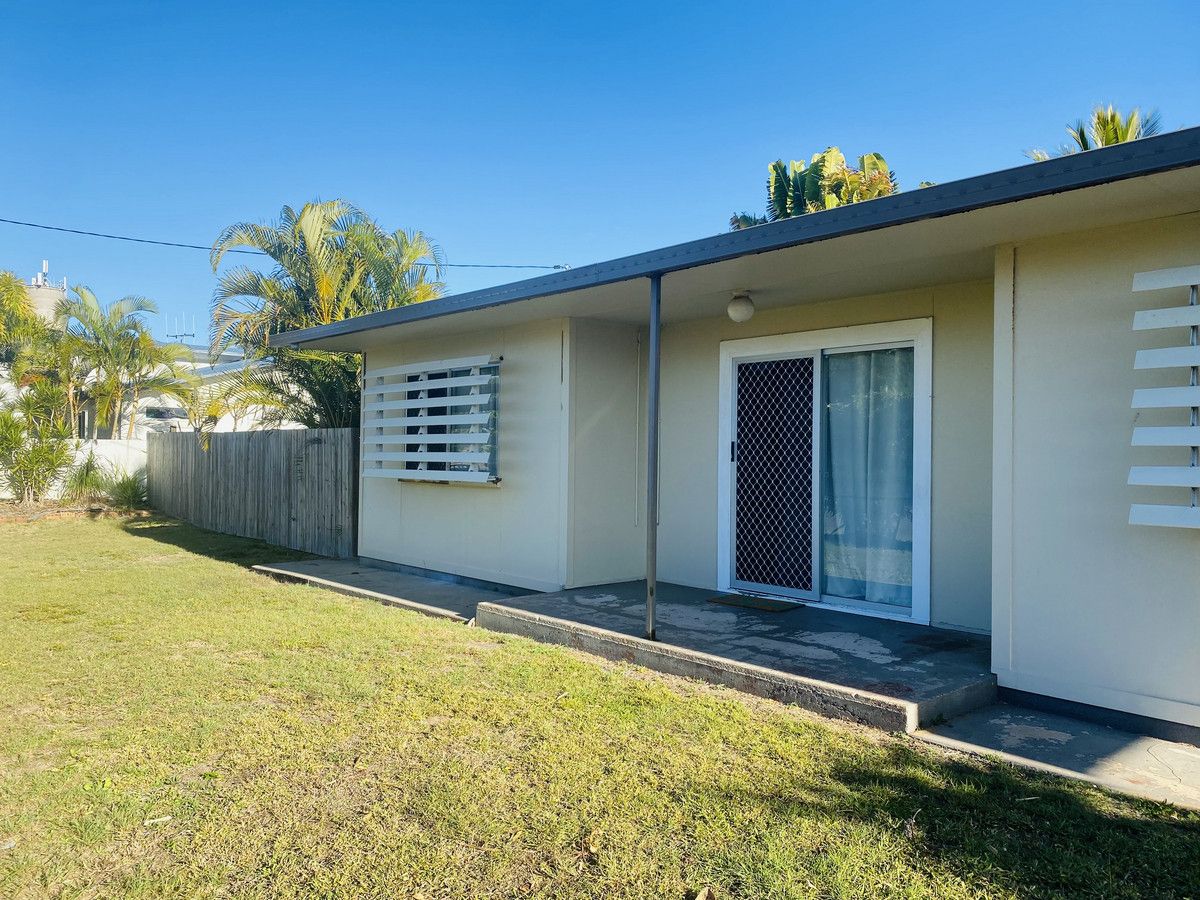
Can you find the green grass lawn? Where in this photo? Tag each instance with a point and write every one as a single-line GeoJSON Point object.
{"type": "Point", "coordinates": [172, 724]}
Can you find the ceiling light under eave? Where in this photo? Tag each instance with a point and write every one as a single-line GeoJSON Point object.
{"type": "Point", "coordinates": [741, 307]}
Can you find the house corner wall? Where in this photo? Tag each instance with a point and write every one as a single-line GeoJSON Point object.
{"type": "Point", "coordinates": [1089, 608]}
{"type": "Point", "coordinates": [1002, 476]}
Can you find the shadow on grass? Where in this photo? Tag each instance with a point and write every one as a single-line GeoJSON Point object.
{"type": "Point", "coordinates": [224, 547]}
{"type": "Point", "coordinates": [998, 827]}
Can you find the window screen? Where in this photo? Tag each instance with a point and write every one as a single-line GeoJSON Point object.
{"type": "Point", "coordinates": [433, 421]}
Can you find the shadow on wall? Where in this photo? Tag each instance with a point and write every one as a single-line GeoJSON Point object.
{"type": "Point", "coordinates": [996, 827]}
{"type": "Point", "coordinates": [224, 547]}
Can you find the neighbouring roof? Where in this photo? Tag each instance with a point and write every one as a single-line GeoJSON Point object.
{"type": "Point", "coordinates": [1106, 166]}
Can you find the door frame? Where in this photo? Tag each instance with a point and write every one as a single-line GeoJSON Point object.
{"type": "Point", "coordinates": [917, 333]}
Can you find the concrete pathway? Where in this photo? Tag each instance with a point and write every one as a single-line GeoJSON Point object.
{"type": "Point", "coordinates": [1119, 760]}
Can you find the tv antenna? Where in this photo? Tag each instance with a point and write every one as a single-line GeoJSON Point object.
{"type": "Point", "coordinates": [179, 333]}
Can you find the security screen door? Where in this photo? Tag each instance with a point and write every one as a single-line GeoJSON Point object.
{"type": "Point", "coordinates": [774, 486]}
{"type": "Point", "coordinates": [823, 477]}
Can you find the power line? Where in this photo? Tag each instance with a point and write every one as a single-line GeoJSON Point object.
{"type": "Point", "coordinates": [137, 240]}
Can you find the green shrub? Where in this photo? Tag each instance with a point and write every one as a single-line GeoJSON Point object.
{"type": "Point", "coordinates": [35, 441]}
{"type": "Point", "coordinates": [87, 480]}
{"type": "Point", "coordinates": [127, 490]}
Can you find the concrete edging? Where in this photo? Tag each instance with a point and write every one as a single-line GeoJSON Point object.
{"type": "Point", "coordinates": [831, 700]}
{"type": "Point", "coordinates": [361, 593]}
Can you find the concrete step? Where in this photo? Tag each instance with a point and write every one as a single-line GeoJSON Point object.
{"type": "Point", "coordinates": [820, 696]}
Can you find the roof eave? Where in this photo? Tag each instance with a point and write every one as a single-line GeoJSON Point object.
{"type": "Point", "coordinates": [1148, 156]}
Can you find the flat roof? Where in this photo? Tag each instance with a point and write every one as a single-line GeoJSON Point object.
{"type": "Point", "coordinates": [1148, 156]}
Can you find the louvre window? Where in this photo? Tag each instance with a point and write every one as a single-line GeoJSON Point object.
{"type": "Point", "coordinates": [433, 421]}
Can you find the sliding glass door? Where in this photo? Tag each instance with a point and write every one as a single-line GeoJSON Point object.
{"type": "Point", "coordinates": [867, 476]}
{"type": "Point", "coordinates": [827, 486]}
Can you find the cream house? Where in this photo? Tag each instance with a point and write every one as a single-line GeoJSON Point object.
{"type": "Point", "coordinates": [920, 408]}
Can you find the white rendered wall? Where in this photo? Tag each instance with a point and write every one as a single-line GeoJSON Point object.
{"type": "Point", "coordinates": [961, 441]}
{"type": "Point", "coordinates": [607, 496]}
{"type": "Point", "coordinates": [1088, 607]}
{"type": "Point", "coordinates": [512, 533]}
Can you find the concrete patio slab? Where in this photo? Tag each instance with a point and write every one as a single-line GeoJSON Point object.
{"type": "Point", "coordinates": [893, 675]}
{"type": "Point", "coordinates": [1119, 760]}
{"type": "Point", "coordinates": [889, 674]}
{"type": "Point", "coordinates": [440, 598]}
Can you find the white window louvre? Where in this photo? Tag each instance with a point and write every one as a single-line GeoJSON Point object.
{"type": "Point", "coordinates": [464, 477]}
{"type": "Point", "coordinates": [1182, 398]}
{"type": "Point", "coordinates": [402, 387]}
{"type": "Point", "coordinates": [438, 365]}
{"type": "Point", "coordinates": [1166, 436]}
{"type": "Point", "coordinates": [1174, 317]}
{"type": "Point", "coordinates": [1165, 476]}
{"type": "Point", "coordinates": [468, 400]}
{"type": "Point", "coordinates": [1167, 358]}
{"type": "Point", "coordinates": [464, 419]}
{"type": "Point", "coordinates": [428, 456]}
{"type": "Point", "coordinates": [433, 421]}
{"type": "Point", "coordinates": [481, 437]}
{"type": "Point", "coordinates": [1166, 397]}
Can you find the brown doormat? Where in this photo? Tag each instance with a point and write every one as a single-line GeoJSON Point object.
{"type": "Point", "coordinates": [766, 604]}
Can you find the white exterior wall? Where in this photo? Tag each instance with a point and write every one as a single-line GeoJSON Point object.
{"type": "Point", "coordinates": [511, 533]}
{"type": "Point", "coordinates": [569, 510]}
{"type": "Point", "coordinates": [120, 456]}
{"type": "Point", "coordinates": [962, 410]}
{"type": "Point", "coordinates": [1088, 607]}
{"type": "Point", "coordinates": [607, 507]}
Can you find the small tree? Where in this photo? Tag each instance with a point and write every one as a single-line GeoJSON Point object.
{"type": "Point", "coordinates": [17, 317]}
{"type": "Point", "coordinates": [108, 337]}
{"type": "Point", "coordinates": [54, 355]}
{"type": "Point", "coordinates": [824, 182]}
{"type": "Point", "coordinates": [154, 368]}
{"type": "Point", "coordinates": [1103, 128]}
{"type": "Point", "coordinates": [35, 441]}
{"type": "Point", "coordinates": [330, 262]}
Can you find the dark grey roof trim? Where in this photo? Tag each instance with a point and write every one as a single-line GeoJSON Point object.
{"type": "Point", "coordinates": [1148, 156]}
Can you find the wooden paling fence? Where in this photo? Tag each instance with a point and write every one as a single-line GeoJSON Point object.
{"type": "Point", "coordinates": [296, 488]}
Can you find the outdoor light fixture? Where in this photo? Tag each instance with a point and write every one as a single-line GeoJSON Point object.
{"type": "Point", "coordinates": [741, 307]}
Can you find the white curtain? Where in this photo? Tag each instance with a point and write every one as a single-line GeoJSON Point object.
{"type": "Point", "coordinates": [867, 487]}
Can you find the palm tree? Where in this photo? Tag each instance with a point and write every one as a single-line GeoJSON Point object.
{"type": "Point", "coordinates": [107, 337]}
{"type": "Point", "coordinates": [1103, 128]}
{"type": "Point", "coordinates": [154, 368]}
{"type": "Point", "coordinates": [17, 317]}
{"type": "Point", "coordinates": [826, 181]}
{"type": "Point", "coordinates": [398, 265]}
{"type": "Point", "coordinates": [51, 354]}
{"type": "Point", "coordinates": [331, 262]}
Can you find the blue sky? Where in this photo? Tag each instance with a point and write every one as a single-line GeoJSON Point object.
{"type": "Point", "coordinates": [521, 132]}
